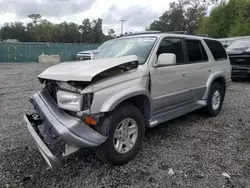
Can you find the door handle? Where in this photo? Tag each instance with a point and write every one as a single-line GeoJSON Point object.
{"type": "Point", "coordinates": [184, 74]}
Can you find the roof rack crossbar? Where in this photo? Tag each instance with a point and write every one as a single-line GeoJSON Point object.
{"type": "Point", "coordinates": [141, 33]}
{"type": "Point", "coordinates": [177, 32]}
{"type": "Point", "coordinates": [158, 32]}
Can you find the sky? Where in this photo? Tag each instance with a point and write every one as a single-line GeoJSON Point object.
{"type": "Point", "coordinates": [137, 13]}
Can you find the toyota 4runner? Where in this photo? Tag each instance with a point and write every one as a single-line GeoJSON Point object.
{"type": "Point", "coordinates": [135, 82]}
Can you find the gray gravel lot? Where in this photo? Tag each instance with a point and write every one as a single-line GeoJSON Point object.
{"type": "Point", "coordinates": [196, 148]}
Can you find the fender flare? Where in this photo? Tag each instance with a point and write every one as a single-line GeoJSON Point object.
{"type": "Point", "coordinates": [116, 99]}
{"type": "Point", "coordinates": [211, 80]}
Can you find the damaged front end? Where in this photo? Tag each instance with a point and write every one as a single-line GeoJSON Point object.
{"type": "Point", "coordinates": [56, 125]}
{"type": "Point", "coordinates": [63, 122]}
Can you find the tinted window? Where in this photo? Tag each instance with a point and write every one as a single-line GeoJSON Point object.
{"type": "Point", "coordinates": [196, 51]}
{"type": "Point", "coordinates": [217, 49]}
{"type": "Point", "coordinates": [172, 45]}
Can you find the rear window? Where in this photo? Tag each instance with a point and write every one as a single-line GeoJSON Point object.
{"type": "Point", "coordinates": [217, 49]}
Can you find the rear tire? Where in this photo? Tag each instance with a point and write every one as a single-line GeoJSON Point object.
{"type": "Point", "coordinates": [215, 100]}
{"type": "Point", "coordinates": [121, 146]}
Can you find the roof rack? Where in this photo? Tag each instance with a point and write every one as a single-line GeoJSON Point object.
{"type": "Point", "coordinates": [186, 33]}
{"type": "Point", "coordinates": [141, 33]}
{"type": "Point", "coordinates": [158, 32]}
{"type": "Point", "coordinates": [177, 32]}
{"type": "Point", "coordinates": [207, 36]}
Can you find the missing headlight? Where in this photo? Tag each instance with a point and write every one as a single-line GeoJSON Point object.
{"type": "Point", "coordinates": [87, 101]}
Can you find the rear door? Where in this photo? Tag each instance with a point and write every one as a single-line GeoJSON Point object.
{"type": "Point", "coordinates": [199, 67]}
{"type": "Point", "coordinates": [219, 57]}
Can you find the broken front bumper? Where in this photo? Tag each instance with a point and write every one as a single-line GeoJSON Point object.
{"type": "Point", "coordinates": [71, 130]}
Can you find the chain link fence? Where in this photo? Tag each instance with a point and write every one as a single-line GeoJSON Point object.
{"type": "Point", "coordinates": [29, 52]}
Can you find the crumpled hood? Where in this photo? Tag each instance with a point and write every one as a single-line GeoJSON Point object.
{"type": "Point", "coordinates": [83, 70]}
{"type": "Point", "coordinates": [238, 51]}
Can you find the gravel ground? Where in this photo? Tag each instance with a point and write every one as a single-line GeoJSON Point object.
{"type": "Point", "coordinates": [195, 148]}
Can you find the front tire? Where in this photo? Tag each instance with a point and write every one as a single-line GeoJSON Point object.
{"type": "Point", "coordinates": [125, 129]}
{"type": "Point", "coordinates": [215, 100]}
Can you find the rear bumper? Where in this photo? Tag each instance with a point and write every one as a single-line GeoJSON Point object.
{"type": "Point", "coordinates": [70, 129]}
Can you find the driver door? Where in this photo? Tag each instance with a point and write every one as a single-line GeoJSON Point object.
{"type": "Point", "coordinates": [170, 84]}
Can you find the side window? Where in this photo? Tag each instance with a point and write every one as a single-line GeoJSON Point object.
{"type": "Point", "coordinates": [196, 51]}
{"type": "Point", "coordinates": [216, 49]}
{"type": "Point", "coordinates": [172, 45]}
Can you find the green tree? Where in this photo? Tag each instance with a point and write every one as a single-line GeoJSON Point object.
{"type": "Point", "coordinates": [217, 24]}
{"type": "Point", "coordinates": [35, 18]}
{"type": "Point", "coordinates": [58, 33]}
{"type": "Point", "coordinates": [227, 19]}
{"type": "Point", "coordinates": [111, 33]}
{"type": "Point", "coordinates": [15, 30]}
{"type": "Point", "coordinates": [92, 31]}
{"type": "Point", "coordinates": [97, 33]}
{"type": "Point", "coordinates": [171, 20]}
{"type": "Point", "coordinates": [86, 30]}
{"type": "Point", "coordinates": [241, 25]}
{"type": "Point", "coordinates": [71, 32]}
{"type": "Point", "coordinates": [183, 15]}
{"type": "Point", "coordinates": [42, 30]}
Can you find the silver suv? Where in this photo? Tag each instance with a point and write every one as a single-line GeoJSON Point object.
{"type": "Point", "coordinates": [135, 82]}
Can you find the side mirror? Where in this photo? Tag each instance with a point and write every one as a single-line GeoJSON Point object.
{"type": "Point", "coordinates": [166, 59]}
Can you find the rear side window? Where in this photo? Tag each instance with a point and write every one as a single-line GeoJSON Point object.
{"type": "Point", "coordinates": [217, 49]}
{"type": "Point", "coordinates": [196, 51]}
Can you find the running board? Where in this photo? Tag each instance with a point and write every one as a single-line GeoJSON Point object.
{"type": "Point", "coordinates": [169, 114]}
{"type": "Point", "coordinates": [202, 102]}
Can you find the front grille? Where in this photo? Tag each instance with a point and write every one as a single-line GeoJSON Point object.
{"type": "Point", "coordinates": [84, 58]}
{"type": "Point", "coordinates": [84, 53]}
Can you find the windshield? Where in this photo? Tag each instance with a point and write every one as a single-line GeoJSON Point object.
{"type": "Point", "coordinates": [238, 45]}
{"type": "Point", "coordinates": [103, 45]}
{"type": "Point", "coordinates": [139, 46]}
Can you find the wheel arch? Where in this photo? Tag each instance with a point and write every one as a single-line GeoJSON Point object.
{"type": "Point", "coordinates": [140, 98]}
{"type": "Point", "coordinates": [215, 77]}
